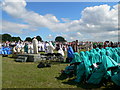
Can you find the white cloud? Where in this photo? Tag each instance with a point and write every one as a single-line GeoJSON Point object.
{"type": "Point", "coordinates": [94, 21]}
{"type": "Point", "coordinates": [65, 19]}
{"type": "Point", "coordinates": [50, 37]}
{"type": "Point", "coordinates": [8, 27]}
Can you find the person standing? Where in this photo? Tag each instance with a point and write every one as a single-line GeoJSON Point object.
{"type": "Point", "coordinates": [50, 48]}
{"type": "Point", "coordinates": [26, 48]}
{"type": "Point", "coordinates": [35, 45]}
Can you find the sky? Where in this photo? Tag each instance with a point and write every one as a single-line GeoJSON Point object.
{"type": "Point", "coordinates": [83, 21]}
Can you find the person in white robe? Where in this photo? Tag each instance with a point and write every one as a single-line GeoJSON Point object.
{"type": "Point", "coordinates": [22, 47]}
{"type": "Point", "coordinates": [31, 48]}
{"type": "Point", "coordinates": [61, 51]}
{"type": "Point", "coordinates": [43, 46]}
{"type": "Point", "coordinates": [18, 46]}
{"type": "Point", "coordinates": [35, 45]}
{"type": "Point", "coordinates": [14, 50]}
{"type": "Point", "coordinates": [50, 48]}
{"type": "Point", "coordinates": [39, 46]}
{"type": "Point", "coordinates": [46, 47]}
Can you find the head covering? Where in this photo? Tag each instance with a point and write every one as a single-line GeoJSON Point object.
{"type": "Point", "coordinates": [70, 52]}
{"type": "Point", "coordinates": [98, 50]}
{"type": "Point", "coordinates": [116, 57]}
{"type": "Point", "coordinates": [92, 58]}
{"type": "Point", "coordinates": [87, 54]}
{"type": "Point", "coordinates": [76, 58]}
{"type": "Point", "coordinates": [107, 61]}
{"type": "Point", "coordinates": [109, 53]}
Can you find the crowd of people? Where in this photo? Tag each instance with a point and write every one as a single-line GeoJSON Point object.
{"type": "Point", "coordinates": [95, 66]}
{"type": "Point", "coordinates": [36, 46]}
{"type": "Point", "coordinates": [23, 47]}
{"type": "Point", "coordinates": [99, 61]}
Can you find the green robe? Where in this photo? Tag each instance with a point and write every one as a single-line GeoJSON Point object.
{"type": "Point", "coordinates": [92, 58]}
{"type": "Point", "coordinates": [116, 57]}
{"type": "Point", "coordinates": [101, 71]}
{"type": "Point", "coordinates": [26, 48]}
{"type": "Point", "coordinates": [83, 69]}
{"type": "Point", "coordinates": [76, 58]}
{"type": "Point", "coordinates": [116, 78]}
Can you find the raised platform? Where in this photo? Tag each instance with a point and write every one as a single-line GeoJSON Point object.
{"type": "Point", "coordinates": [30, 57]}
{"type": "Point", "coordinates": [39, 57]}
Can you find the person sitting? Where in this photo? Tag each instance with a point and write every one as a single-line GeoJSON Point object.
{"type": "Point", "coordinates": [70, 53]}
{"type": "Point", "coordinates": [71, 69]}
{"type": "Point", "coordinates": [102, 72]}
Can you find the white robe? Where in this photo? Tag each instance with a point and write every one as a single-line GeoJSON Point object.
{"type": "Point", "coordinates": [31, 48]}
{"type": "Point", "coordinates": [61, 51]}
{"type": "Point", "coordinates": [35, 45]}
{"type": "Point", "coordinates": [18, 48]}
{"type": "Point", "coordinates": [50, 48]}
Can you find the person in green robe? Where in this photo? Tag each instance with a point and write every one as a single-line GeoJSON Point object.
{"type": "Point", "coordinates": [80, 68]}
{"type": "Point", "coordinates": [83, 69]}
{"type": "Point", "coordinates": [116, 57]}
{"type": "Point", "coordinates": [116, 78]}
{"type": "Point", "coordinates": [98, 50]}
{"type": "Point", "coordinates": [87, 53]}
{"type": "Point", "coordinates": [118, 52]}
{"type": "Point", "coordinates": [92, 58]}
{"type": "Point", "coordinates": [26, 48]}
{"type": "Point", "coordinates": [97, 57]}
{"type": "Point", "coordinates": [109, 53]}
{"type": "Point", "coordinates": [76, 58]}
{"type": "Point", "coordinates": [101, 71]}
{"type": "Point", "coordinates": [73, 64]}
{"type": "Point", "coordinates": [88, 69]}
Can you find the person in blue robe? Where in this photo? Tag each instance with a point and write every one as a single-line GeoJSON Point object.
{"type": "Point", "coordinates": [70, 55]}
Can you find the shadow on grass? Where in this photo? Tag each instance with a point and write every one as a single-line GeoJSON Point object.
{"type": "Point", "coordinates": [62, 77]}
{"type": "Point", "coordinates": [72, 82]}
{"type": "Point", "coordinates": [82, 84]}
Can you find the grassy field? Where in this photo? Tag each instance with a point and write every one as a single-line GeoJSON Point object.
{"type": "Point", "coordinates": [27, 75]}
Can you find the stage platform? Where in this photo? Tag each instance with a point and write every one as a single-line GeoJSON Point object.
{"type": "Point", "coordinates": [28, 57]}
{"type": "Point", "coordinates": [39, 57]}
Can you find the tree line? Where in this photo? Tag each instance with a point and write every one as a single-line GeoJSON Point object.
{"type": "Point", "coordinates": [8, 37]}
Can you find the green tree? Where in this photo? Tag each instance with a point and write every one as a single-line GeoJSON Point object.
{"type": "Point", "coordinates": [16, 39]}
{"type": "Point", "coordinates": [29, 39]}
{"type": "Point", "coordinates": [6, 37]}
{"type": "Point", "coordinates": [39, 38]}
{"type": "Point", "coordinates": [0, 37]}
{"type": "Point", "coordinates": [60, 39]}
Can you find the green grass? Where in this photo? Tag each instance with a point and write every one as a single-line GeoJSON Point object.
{"type": "Point", "coordinates": [27, 75]}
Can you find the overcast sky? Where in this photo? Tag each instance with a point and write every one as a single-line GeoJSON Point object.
{"type": "Point", "coordinates": [88, 21]}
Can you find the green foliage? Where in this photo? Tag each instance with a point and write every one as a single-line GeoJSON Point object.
{"type": "Point", "coordinates": [8, 37]}
{"type": "Point", "coordinates": [16, 39]}
{"type": "Point", "coordinates": [0, 37]}
{"type": "Point", "coordinates": [29, 39]}
{"type": "Point", "coordinates": [60, 39]}
{"type": "Point", "coordinates": [39, 38]}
